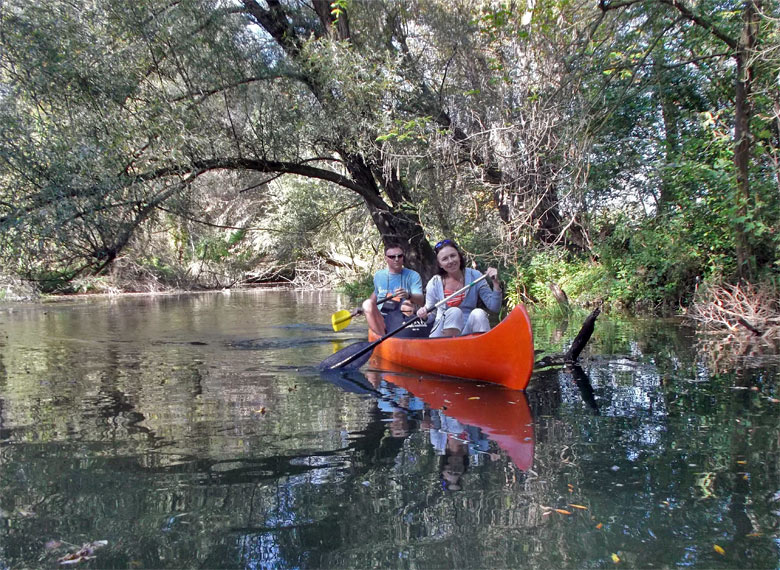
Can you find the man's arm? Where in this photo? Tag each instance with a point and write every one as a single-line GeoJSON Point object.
{"type": "Point", "coordinates": [416, 290]}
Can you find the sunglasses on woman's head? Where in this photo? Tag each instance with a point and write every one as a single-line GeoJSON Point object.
{"type": "Point", "coordinates": [396, 257]}
{"type": "Point", "coordinates": [442, 243]}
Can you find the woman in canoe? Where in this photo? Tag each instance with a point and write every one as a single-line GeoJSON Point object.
{"type": "Point", "coordinates": [459, 315]}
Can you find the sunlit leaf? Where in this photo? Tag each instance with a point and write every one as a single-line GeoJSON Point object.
{"type": "Point", "coordinates": [615, 558]}
{"type": "Point", "coordinates": [719, 550]}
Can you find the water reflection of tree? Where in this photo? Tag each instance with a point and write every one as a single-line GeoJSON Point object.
{"type": "Point", "coordinates": [678, 441]}
{"type": "Point", "coordinates": [734, 352]}
{"type": "Point", "coordinates": [321, 480]}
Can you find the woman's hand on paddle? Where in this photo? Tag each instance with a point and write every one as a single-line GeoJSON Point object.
{"type": "Point", "coordinates": [423, 313]}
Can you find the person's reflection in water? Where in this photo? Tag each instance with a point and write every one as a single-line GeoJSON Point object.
{"type": "Point", "coordinates": [399, 424]}
{"type": "Point", "coordinates": [453, 464]}
{"type": "Point", "coordinates": [397, 403]}
{"type": "Point", "coordinates": [459, 446]}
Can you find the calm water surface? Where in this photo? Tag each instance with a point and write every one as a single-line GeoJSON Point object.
{"type": "Point", "coordinates": [194, 431]}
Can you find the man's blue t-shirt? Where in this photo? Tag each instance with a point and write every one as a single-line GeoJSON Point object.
{"type": "Point", "coordinates": [385, 282]}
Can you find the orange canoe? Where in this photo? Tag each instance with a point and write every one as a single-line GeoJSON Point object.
{"type": "Point", "coordinates": [503, 415]}
{"type": "Point", "coordinates": [503, 355]}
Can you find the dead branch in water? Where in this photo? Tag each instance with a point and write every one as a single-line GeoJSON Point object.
{"type": "Point", "coordinates": [579, 342]}
{"type": "Point", "coordinates": [754, 308]}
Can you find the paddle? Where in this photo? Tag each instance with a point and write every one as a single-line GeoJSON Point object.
{"type": "Point", "coordinates": [341, 319]}
{"type": "Point", "coordinates": [355, 351]}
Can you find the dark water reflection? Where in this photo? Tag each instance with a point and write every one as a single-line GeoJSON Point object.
{"type": "Point", "coordinates": [194, 431]}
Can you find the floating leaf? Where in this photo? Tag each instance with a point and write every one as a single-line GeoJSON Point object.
{"type": "Point", "coordinates": [563, 511]}
{"type": "Point", "coordinates": [719, 550]}
{"type": "Point", "coordinates": [584, 508]}
{"type": "Point", "coordinates": [74, 558]}
{"type": "Point", "coordinates": [598, 526]}
{"type": "Point", "coordinates": [86, 552]}
{"type": "Point", "coordinates": [615, 558]}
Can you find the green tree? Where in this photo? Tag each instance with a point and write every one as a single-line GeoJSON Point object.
{"type": "Point", "coordinates": [116, 109]}
{"type": "Point", "coordinates": [719, 44]}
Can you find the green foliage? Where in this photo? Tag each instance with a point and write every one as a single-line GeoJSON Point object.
{"type": "Point", "coordinates": [584, 281]}
{"type": "Point", "coordinates": [53, 281]}
{"type": "Point", "coordinates": [657, 263]}
{"type": "Point", "coordinates": [402, 131]}
{"type": "Point", "coordinates": [496, 126]}
{"type": "Point", "coordinates": [359, 289]}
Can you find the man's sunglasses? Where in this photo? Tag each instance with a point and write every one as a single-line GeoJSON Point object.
{"type": "Point", "coordinates": [396, 257]}
{"type": "Point", "coordinates": [442, 243]}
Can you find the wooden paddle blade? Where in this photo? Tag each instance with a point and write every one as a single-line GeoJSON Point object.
{"type": "Point", "coordinates": [345, 354]}
{"type": "Point", "coordinates": [340, 319]}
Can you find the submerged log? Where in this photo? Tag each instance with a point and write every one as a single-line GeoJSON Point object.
{"type": "Point", "coordinates": [571, 355]}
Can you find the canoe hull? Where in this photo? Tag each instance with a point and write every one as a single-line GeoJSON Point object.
{"type": "Point", "coordinates": [504, 355]}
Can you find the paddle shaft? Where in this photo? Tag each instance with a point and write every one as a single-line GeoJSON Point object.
{"type": "Point", "coordinates": [405, 324]}
{"type": "Point", "coordinates": [357, 311]}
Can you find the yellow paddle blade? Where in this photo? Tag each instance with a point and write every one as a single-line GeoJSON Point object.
{"type": "Point", "coordinates": [340, 319]}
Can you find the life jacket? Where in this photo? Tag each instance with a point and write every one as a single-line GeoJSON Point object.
{"type": "Point", "coordinates": [394, 318]}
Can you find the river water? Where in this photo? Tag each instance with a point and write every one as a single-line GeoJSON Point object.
{"type": "Point", "coordinates": [194, 431]}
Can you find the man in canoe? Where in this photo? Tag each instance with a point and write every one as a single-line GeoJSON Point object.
{"type": "Point", "coordinates": [460, 315]}
{"type": "Point", "coordinates": [402, 284]}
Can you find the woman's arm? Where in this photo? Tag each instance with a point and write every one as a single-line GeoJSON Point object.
{"type": "Point", "coordinates": [432, 296]}
{"type": "Point", "coordinates": [491, 297]}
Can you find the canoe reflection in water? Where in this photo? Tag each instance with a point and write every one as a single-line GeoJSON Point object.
{"type": "Point", "coordinates": [461, 416]}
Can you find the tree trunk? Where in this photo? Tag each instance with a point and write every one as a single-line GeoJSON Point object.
{"type": "Point", "coordinates": [671, 115]}
{"type": "Point", "coordinates": [742, 142]}
{"type": "Point", "coordinates": [392, 222]}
